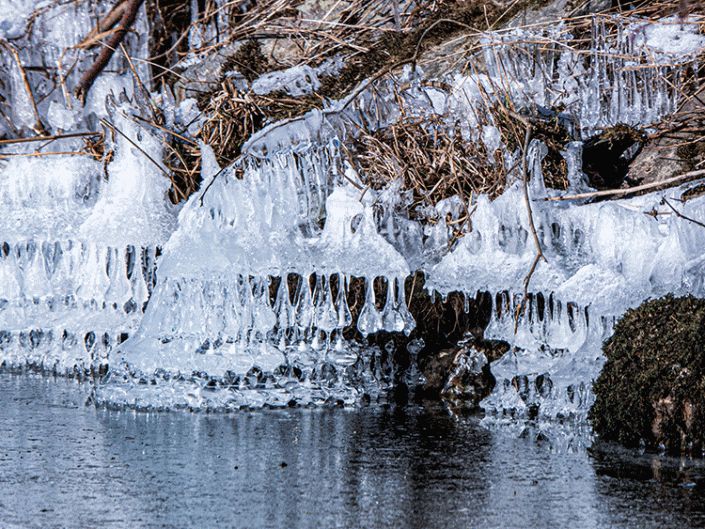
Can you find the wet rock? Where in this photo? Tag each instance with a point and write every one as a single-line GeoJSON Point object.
{"type": "Point", "coordinates": [658, 161]}
{"type": "Point", "coordinates": [436, 372]}
{"type": "Point", "coordinates": [652, 389]}
{"type": "Point", "coordinates": [460, 375]}
{"type": "Point", "coordinates": [471, 380]}
{"type": "Point", "coordinates": [673, 153]}
{"type": "Point", "coordinates": [492, 349]}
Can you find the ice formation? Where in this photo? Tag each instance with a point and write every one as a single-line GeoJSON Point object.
{"type": "Point", "coordinates": [247, 304]}
{"type": "Point", "coordinates": [77, 262]}
{"type": "Point", "coordinates": [51, 46]}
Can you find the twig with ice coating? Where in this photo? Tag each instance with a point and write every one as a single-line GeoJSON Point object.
{"type": "Point", "coordinates": [539, 251]}
{"type": "Point", "coordinates": [692, 175]}
{"type": "Point", "coordinates": [38, 126]}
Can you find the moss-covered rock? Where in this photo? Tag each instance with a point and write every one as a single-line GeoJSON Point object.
{"type": "Point", "coordinates": [652, 388]}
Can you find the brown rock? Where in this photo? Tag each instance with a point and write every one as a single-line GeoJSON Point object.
{"type": "Point", "coordinates": [471, 380]}
{"type": "Point", "coordinates": [436, 372]}
{"type": "Point", "coordinates": [460, 374]}
{"type": "Point", "coordinates": [665, 157]}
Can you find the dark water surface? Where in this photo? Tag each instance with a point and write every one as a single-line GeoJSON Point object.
{"type": "Point", "coordinates": [64, 464]}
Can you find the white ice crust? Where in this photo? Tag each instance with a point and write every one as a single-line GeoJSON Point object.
{"type": "Point", "coordinates": [80, 241]}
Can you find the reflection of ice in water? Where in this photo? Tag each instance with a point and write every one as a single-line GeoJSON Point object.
{"type": "Point", "coordinates": [249, 300]}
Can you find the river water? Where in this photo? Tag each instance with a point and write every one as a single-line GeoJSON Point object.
{"type": "Point", "coordinates": [67, 464]}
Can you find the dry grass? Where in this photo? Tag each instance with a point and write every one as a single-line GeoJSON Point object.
{"type": "Point", "coordinates": [432, 158]}
{"type": "Point", "coordinates": [432, 162]}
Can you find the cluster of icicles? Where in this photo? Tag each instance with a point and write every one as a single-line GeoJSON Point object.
{"type": "Point", "coordinates": [303, 313]}
{"type": "Point", "coordinates": [71, 292]}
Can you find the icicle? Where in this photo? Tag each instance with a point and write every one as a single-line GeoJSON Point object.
{"type": "Point", "coordinates": [10, 274]}
{"type": "Point", "coordinates": [95, 279]}
{"type": "Point", "coordinates": [402, 309]}
{"type": "Point", "coordinates": [344, 316]}
{"type": "Point", "coordinates": [120, 290]}
{"type": "Point", "coordinates": [325, 315]}
{"type": "Point", "coordinates": [245, 309]}
{"type": "Point", "coordinates": [264, 317]}
{"type": "Point", "coordinates": [370, 320]}
{"type": "Point", "coordinates": [304, 306]}
{"type": "Point", "coordinates": [316, 342]}
{"type": "Point", "coordinates": [231, 305]}
{"type": "Point", "coordinates": [391, 319]}
{"type": "Point", "coordinates": [283, 309]}
{"type": "Point", "coordinates": [339, 343]}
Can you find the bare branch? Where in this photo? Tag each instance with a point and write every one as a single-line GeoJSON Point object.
{"type": "Point", "coordinates": [679, 215]}
{"type": "Point", "coordinates": [104, 25]}
{"type": "Point", "coordinates": [107, 51]}
{"type": "Point", "coordinates": [539, 252]}
{"type": "Point", "coordinates": [692, 175]}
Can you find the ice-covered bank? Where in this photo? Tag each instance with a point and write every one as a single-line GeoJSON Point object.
{"type": "Point", "coordinates": [248, 299]}
{"type": "Point", "coordinates": [78, 253]}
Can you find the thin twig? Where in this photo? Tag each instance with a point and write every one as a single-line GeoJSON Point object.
{"type": "Point", "coordinates": [678, 214]}
{"type": "Point", "coordinates": [9, 122]}
{"type": "Point", "coordinates": [539, 251]}
{"type": "Point", "coordinates": [49, 138]}
{"type": "Point", "coordinates": [115, 129]}
{"type": "Point", "coordinates": [610, 192]}
{"type": "Point", "coordinates": [57, 153]}
{"type": "Point", "coordinates": [38, 126]}
{"type": "Point", "coordinates": [65, 92]}
{"type": "Point", "coordinates": [171, 132]}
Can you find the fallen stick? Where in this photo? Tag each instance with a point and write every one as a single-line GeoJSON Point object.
{"type": "Point", "coordinates": [50, 138]}
{"type": "Point", "coordinates": [609, 192]}
{"type": "Point", "coordinates": [107, 51]}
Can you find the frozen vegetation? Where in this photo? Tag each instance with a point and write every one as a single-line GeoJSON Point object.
{"type": "Point", "coordinates": [203, 304]}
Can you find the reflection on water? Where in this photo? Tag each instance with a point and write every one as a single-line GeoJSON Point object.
{"type": "Point", "coordinates": [64, 464]}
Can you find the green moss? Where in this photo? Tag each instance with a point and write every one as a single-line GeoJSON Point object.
{"type": "Point", "coordinates": [651, 387]}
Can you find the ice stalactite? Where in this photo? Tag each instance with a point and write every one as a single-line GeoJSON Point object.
{"type": "Point", "coordinates": [252, 286]}
{"type": "Point", "coordinates": [250, 281]}
{"type": "Point", "coordinates": [77, 262]}
{"type": "Point", "coordinates": [632, 78]}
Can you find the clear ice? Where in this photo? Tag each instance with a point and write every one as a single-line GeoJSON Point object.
{"type": "Point", "coordinates": [238, 297]}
